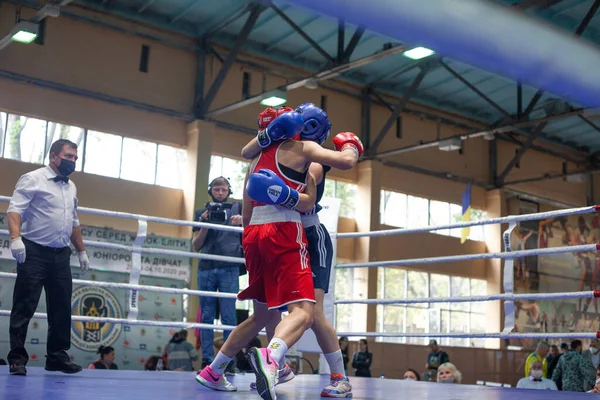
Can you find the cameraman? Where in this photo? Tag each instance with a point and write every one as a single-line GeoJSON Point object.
{"type": "Point", "coordinates": [218, 275]}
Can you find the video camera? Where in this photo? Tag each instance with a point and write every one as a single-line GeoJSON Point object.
{"type": "Point", "coordinates": [217, 212]}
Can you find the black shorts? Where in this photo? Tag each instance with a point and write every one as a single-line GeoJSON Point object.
{"type": "Point", "coordinates": [320, 249]}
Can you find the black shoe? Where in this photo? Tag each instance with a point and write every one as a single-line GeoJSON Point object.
{"type": "Point", "coordinates": [18, 369]}
{"type": "Point", "coordinates": [65, 367]}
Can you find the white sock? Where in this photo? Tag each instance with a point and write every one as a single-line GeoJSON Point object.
{"type": "Point", "coordinates": [336, 362]}
{"type": "Point", "coordinates": [278, 350]}
{"type": "Point", "coordinates": [220, 362]}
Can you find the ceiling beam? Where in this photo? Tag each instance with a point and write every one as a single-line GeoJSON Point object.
{"type": "Point", "coordinates": [319, 76]}
{"type": "Point", "coordinates": [303, 34]}
{"type": "Point", "coordinates": [398, 108]}
{"type": "Point", "coordinates": [358, 34]}
{"type": "Point", "coordinates": [474, 89]}
{"type": "Point", "coordinates": [480, 133]}
{"type": "Point", "coordinates": [537, 132]}
{"type": "Point", "coordinates": [241, 39]}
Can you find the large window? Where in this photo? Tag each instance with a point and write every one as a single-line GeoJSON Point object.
{"type": "Point", "coordinates": [28, 139]}
{"type": "Point", "coordinates": [405, 211]}
{"type": "Point", "coordinates": [344, 191]}
{"type": "Point", "coordinates": [395, 283]}
{"type": "Point", "coordinates": [25, 139]}
{"type": "Point", "coordinates": [344, 289]}
{"type": "Point", "coordinates": [138, 161]}
{"type": "Point", "coordinates": [103, 154]}
{"type": "Point", "coordinates": [2, 131]}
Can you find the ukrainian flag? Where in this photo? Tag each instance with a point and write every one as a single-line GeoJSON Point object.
{"type": "Point", "coordinates": [466, 212]}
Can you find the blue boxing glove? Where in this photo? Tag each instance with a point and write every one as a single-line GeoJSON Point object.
{"type": "Point", "coordinates": [285, 126]}
{"type": "Point", "coordinates": [265, 187]}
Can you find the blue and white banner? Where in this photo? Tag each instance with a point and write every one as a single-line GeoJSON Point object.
{"type": "Point", "coordinates": [165, 266]}
{"type": "Point", "coordinates": [133, 344]}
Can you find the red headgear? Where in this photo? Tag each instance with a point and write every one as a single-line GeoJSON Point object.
{"type": "Point", "coordinates": [266, 117]}
{"type": "Point", "coordinates": [283, 110]}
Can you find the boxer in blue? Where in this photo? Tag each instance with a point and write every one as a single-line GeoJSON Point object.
{"type": "Point", "coordinates": [317, 128]}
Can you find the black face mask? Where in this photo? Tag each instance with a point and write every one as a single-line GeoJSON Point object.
{"type": "Point", "coordinates": [66, 167]}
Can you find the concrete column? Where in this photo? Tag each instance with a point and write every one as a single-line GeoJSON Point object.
{"type": "Point", "coordinates": [200, 137]}
{"type": "Point", "coordinates": [495, 207]}
{"type": "Point", "coordinates": [367, 219]}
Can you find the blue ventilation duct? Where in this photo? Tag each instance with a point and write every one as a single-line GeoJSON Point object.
{"type": "Point", "coordinates": [484, 35]}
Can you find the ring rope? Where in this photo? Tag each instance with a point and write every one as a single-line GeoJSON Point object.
{"type": "Point", "coordinates": [468, 299]}
{"type": "Point", "coordinates": [157, 289]}
{"type": "Point", "coordinates": [187, 325]}
{"type": "Point", "coordinates": [470, 257]}
{"type": "Point", "coordinates": [123, 321]}
{"type": "Point", "coordinates": [462, 299]}
{"type": "Point", "coordinates": [151, 250]}
{"type": "Point", "coordinates": [466, 224]}
{"type": "Point", "coordinates": [400, 231]}
{"type": "Point", "coordinates": [525, 335]}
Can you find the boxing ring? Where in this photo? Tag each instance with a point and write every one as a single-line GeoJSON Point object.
{"type": "Point", "coordinates": [157, 385]}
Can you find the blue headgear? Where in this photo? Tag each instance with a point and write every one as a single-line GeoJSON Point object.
{"type": "Point", "coordinates": [316, 123]}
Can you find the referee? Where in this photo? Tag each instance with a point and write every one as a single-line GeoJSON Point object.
{"type": "Point", "coordinates": [42, 220]}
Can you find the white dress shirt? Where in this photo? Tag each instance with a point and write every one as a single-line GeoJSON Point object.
{"type": "Point", "coordinates": [48, 209]}
{"type": "Point", "coordinates": [529, 383]}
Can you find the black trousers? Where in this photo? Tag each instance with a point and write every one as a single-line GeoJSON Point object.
{"type": "Point", "coordinates": [48, 268]}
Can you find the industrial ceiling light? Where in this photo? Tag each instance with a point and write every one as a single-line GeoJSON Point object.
{"type": "Point", "coordinates": [274, 98]}
{"type": "Point", "coordinates": [418, 53]}
{"type": "Point", "coordinates": [24, 32]}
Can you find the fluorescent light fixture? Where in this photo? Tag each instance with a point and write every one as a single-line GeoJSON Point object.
{"type": "Point", "coordinates": [418, 52]}
{"type": "Point", "coordinates": [24, 32]}
{"type": "Point", "coordinates": [274, 98]}
{"type": "Point", "coordinates": [452, 144]}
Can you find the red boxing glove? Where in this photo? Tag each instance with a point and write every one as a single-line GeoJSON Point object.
{"type": "Point", "coordinates": [344, 140]}
{"type": "Point", "coordinates": [266, 117]}
{"type": "Point", "coordinates": [283, 110]}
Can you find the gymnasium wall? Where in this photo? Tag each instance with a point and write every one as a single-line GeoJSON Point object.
{"type": "Point", "coordinates": [97, 85]}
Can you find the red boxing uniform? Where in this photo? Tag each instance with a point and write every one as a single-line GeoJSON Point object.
{"type": "Point", "coordinates": [275, 246]}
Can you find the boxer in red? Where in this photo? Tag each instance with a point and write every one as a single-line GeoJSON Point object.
{"type": "Point", "coordinates": [275, 246]}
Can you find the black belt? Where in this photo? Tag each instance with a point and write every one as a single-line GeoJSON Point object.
{"type": "Point", "coordinates": [44, 248]}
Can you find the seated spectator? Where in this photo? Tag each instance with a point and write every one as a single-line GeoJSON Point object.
{"type": "Point", "coordinates": [541, 351]}
{"type": "Point", "coordinates": [571, 369]}
{"type": "Point", "coordinates": [535, 379]}
{"type": "Point", "coordinates": [181, 353]}
{"type": "Point", "coordinates": [151, 363]}
{"type": "Point", "coordinates": [448, 373]}
{"type": "Point", "coordinates": [412, 375]}
{"type": "Point", "coordinates": [106, 360]}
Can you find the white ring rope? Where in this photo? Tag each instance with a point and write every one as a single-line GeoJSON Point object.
{"type": "Point", "coordinates": [470, 257]}
{"type": "Point", "coordinates": [466, 224]}
{"type": "Point", "coordinates": [463, 299]}
{"type": "Point", "coordinates": [151, 250]}
{"type": "Point", "coordinates": [157, 289]}
{"type": "Point", "coordinates": [525, 335]}
{"type": "Point", "coordinates": [136, 249]}
{"type": "Point", "coordinates": [469, 299]}
{"type": "Point", "coordinates": [188, 325]}
{"type": "Point", "coordinates": [387, 232]}
{"type": "Point", "coordinates": [122, 321]}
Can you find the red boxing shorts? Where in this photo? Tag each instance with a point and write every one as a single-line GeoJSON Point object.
{"type": "Point", "coordinates": [278, 264]}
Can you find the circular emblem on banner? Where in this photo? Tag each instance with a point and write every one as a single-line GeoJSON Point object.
{"type": "Point", "coordinates": [94, 302]}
